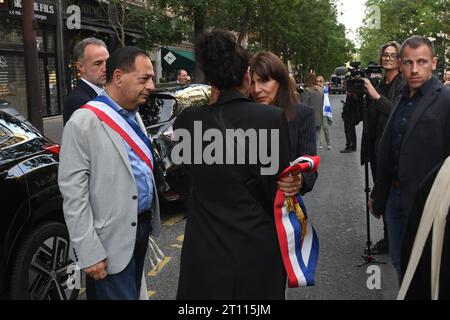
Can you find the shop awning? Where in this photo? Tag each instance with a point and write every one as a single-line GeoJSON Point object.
{"type": "Point", "coordinates": [175, 59]}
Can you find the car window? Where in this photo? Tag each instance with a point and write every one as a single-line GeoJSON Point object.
{"type": "Point", "coordinates": [336, 80]}
{"type": "Point", "coordinates": [165, 105]}
{"type": "Point", "coordinates": [14, 132]}
{"type": "Point", "coordinates": [196, 96]}
{"type": "Point", "coordinates": [159, 108]}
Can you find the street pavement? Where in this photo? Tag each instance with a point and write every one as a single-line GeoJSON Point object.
{"type": "Point", "coordinates": [336, 208]}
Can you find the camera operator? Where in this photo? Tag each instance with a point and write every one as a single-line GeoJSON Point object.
{"type": "Point", "coordinates": [351, 115]}
{"type": "Point", "coordinates": [380, 105]}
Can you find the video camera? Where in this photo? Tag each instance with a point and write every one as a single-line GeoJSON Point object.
{"type": "Point", "coordinates": [354, 74]}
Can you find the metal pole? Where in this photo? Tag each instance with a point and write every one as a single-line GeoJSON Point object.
{"type": "Point", "coordinates": [62, 89]}
{"type": "Point", "coordinates": [34, 98]}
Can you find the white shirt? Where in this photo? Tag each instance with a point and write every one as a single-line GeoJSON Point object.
{"type": "Point", "coordinates": [97, 90]}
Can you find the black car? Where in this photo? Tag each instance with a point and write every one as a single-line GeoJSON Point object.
{"type": "Point", "coordinates": [34, 242]}
{"type": "Point", "coordinates": [158, 115]}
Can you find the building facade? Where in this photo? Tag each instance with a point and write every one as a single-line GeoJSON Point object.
{"type": "Point", "coordinates": [55, 41]}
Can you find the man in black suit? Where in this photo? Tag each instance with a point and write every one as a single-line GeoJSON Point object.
{"type": "Point", "coordinates": [415, 140]}
{"type": "Point", "coordinates": [90, 56]}
{"type": "Point", "coordinates": [420, 286]}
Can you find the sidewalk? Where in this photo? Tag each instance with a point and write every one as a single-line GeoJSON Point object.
{"type": "Point", "coordinates": [53, 128]}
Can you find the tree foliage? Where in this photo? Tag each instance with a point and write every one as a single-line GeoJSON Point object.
{"type": "Point", "coordinates": [305, 32]}
{"type": "Point", "coordinates": [156, 25]}
{"type": "Point", "coordinates": [401, 19]}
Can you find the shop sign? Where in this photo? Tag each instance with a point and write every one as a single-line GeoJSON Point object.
{"type": "Point", "coordinates": [44, 10]}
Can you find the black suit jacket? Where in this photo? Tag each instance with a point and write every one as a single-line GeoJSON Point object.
{"type": "Point", "coordinates": [78, 97]}
{"type": "Point", "coordinates": [379, 112]}
{"type": "Point", "coordinates": [302, 136]}
{"type": "Point", "coordinates": [230, 249]}
{"type": "Point", "coordinates": [420, 288]}
{"type": "Point", "coordinates": [425, 145]}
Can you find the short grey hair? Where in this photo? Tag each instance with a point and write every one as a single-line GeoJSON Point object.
{"type": "Point", "coordinates": [78, 50]}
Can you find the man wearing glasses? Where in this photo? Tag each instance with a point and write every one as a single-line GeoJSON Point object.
{"type": "Point", "coordinates": [379, 109]}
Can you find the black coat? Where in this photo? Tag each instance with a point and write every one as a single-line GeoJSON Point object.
{"type": "Point", "coordinates": [78, 97]}
{"type": "Point", "coordinates": [379, 112]}
{"type": "Point", "coordinates": [230, 248]}
{"type": "Point", "coordinates": [302, 137]}
{"type": "Point", "coordinates": [420, 287]}
{"type": "Point", "coordinates": [425, 145]}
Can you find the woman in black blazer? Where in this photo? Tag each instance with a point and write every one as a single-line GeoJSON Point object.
{"type": "Point", "coordinates": [230, 248]}
{"type": "Point", "coordinates": [272, 85]}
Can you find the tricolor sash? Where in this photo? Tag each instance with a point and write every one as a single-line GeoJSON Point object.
{"type": "Point", "coordinates": [116, 122]}
{"type": "Point", "coordinates": [297, 238]}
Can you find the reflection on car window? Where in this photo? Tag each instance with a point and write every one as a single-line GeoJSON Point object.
{"type": "Point", "coordinates": [197, 96]}
{"type": "Point", "coordinates": [159, 108]}
{"type": "Point", "coordinates": [13, 132]}
{"type": "Point", "coordinates": [163, 106]}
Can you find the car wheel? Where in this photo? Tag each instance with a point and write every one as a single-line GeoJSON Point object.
{"type": "Point", "coordinates": [42, 269]}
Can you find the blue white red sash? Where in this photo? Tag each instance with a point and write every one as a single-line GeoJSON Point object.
{"type": "Point", "coordinates": [115, 121]}
{"type": "Point", "coordinates": [297, 238]}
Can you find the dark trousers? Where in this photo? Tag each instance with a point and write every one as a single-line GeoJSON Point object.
{"type": "Point", "coordinates": [373, 168]}
{"type": "Point", "coordinates": [395, 220]}
{"type": "Point", "coordinates": [350, 135]}
{"type": "Point", "coordinates": [125, 285]}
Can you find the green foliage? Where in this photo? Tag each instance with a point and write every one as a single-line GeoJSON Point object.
{"type": "Point", "coordinates": [305, 32]}
{"type": "Point", "coordinates": [401, 19]}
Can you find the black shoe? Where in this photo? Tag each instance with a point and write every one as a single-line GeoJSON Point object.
{"type": "Point", "coordinates": [346, 150]}
{"type": "Point", "coordinates": [381, 247]}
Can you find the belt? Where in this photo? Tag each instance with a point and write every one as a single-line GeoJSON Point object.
{"type": "Point", "coordinates": [395, 184]}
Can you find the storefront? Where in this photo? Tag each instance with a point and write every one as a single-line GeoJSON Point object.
{"type": "Point", "coordinates": [174, 59]}
{"type": "Point", "coordinates": [12, 65]}
{"type": "Point", "coordinates": [55, 82]}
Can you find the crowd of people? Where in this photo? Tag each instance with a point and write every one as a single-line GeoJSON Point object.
{"type": "Point", "coordinates": [108, 183]}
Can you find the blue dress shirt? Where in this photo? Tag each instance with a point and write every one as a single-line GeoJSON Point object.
{"type": "Point", "coordinates": [141, 171]}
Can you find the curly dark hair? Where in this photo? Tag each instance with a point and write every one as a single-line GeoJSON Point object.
{"type": "Point", "coordinates": [223, 61]}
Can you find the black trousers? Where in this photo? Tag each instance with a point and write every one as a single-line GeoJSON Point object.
{"type": "Point", "coordinates": [373, 168]}
{"type": "Point", "coordinates": [350, 135]}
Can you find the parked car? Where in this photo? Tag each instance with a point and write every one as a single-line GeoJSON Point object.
{"type": "Point", "coordinates": [337, 84]}
{"type": "Point", "coordinates": [8, 108]}
{"type": "Point", "coordinates": [158, 115]}
{"type": "Point", "coordinates": [34, 242]}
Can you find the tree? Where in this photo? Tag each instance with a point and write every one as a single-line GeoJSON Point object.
{"type": "Point", "coordinates": [155, 23]}
{"type": "Point", "coordinates": [401, 19]}
{"type": "Point", "coordinates": [302, 31]}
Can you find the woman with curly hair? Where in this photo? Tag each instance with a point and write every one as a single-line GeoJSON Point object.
{"type": "Point", "coordinates": [230, 248]}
